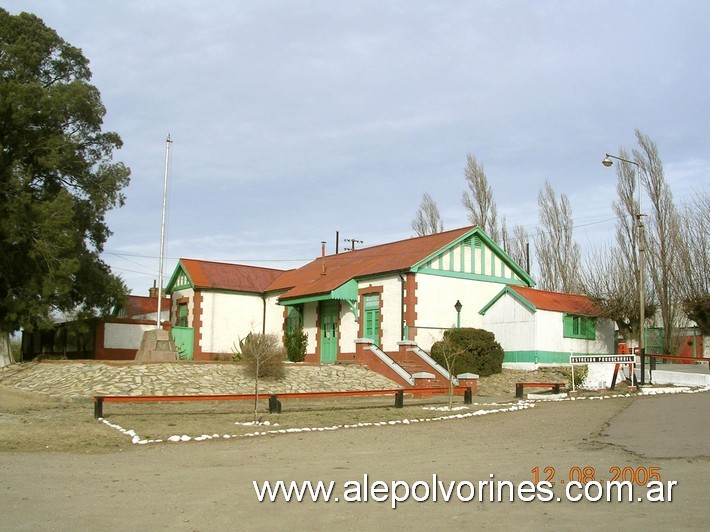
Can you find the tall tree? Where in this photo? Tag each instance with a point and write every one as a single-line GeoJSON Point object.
{"type": "Point", "coordinates": [557, 253]}
{"type": "Point", "coordinates": [611, 275]}
{"type": "Point", "coordinates": [515, 243]}
{"type": "Point", "coordinates": [57, 180]}
{"type": "Point", "coordinates": [478, 199]}
{"type": "Point", "coordinates": [694, 271]}
{"type": "Point", "coordinates": [427, 221]}
{"type": "Point", "coordinates": [662, 238]}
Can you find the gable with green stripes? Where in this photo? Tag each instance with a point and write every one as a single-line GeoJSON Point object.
{"type": "Point", "coordinates": [475, 256]}
{"type": "Point", "coordinates": [179, 279]}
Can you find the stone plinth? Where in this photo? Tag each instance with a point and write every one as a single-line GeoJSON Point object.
{"type": "Point", "coordinates": [157, 346]}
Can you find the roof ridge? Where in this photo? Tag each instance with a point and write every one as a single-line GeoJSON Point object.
{"type": "Point", "coordinates": [432, 235]}
{"type": "Point", "coordinates": [223, 263]}
{"type": "Point", "coordinates": [548, 291]}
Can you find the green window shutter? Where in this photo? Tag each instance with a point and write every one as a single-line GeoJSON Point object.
{"type": "Point", "coordinates": [182, 315]}
{"type": "Point", "coordinates": [591, 328]}
{"type": "Point", "coordinates": [371, 302]}
{"type": "Point", "coordinates": [567, 325]}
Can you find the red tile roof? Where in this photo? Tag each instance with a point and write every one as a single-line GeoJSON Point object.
{"type": "Point", "coordinates": [339, 269]}
{"type": "Point", "coordinates": [143, 305]}
{"type": "Point", "coordinates": [223, 276]}
{"type": "Point", "coordinates": [559, 302]}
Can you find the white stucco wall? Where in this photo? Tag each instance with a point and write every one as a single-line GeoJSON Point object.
{"type": "Point", "coordinates": [436, 297]}
{"type": "Point", "coordinates": [550, 337]}
{"type": "Point", "coordinates": [539, 335]}
{"type": "Point", "coordinates": [348, 329]}
{"type": "Point", "coordinates": [227, 318]}
{"type": "Point", "coordinates": [124, 335]}
{"type": "Point", "coordinates": [310, 325]}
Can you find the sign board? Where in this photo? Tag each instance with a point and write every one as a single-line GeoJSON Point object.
{"type": "Point", "coordinates": [609, 359]}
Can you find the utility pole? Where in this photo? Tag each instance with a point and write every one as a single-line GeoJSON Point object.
{"type": "Point", "coordinates": [352, 243]}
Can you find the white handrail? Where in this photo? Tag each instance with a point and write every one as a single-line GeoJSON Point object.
{"type": "Point", "coordinates": [433, 363]}
{"type": "Point", "coordinates": [384, 357]}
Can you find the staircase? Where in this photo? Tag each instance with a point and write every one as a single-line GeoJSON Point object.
{"type": "Point", "coordinates": [409, 366]}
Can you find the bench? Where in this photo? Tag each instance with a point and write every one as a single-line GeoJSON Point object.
{"type": "Point", "coordinates": [274, 402]}
{"type": "Point", "coordinates": [520, 387]}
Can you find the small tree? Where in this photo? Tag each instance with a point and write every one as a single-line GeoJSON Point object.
{"type": "Point", "coordinates": [263, 355]}
{"type": "Point", "coordinates": [448, 352]}
{"type": "Point", "coordinates": [296, 343]}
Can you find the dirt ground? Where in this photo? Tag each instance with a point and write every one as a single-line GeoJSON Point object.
{"type": "Point", "coordinates": [62, 470]}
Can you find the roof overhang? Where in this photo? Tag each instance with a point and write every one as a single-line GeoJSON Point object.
{"type": "Point", "coordinates": [345, 292]}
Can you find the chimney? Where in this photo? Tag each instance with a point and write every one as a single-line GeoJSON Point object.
{"type": "Point", "coordinates": [322, 257]}
{"type": "Point", "coordinates": [153, 291]}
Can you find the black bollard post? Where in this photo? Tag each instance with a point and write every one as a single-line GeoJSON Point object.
{"type": "Point", "coordinates": [98, 406]}
{"type": "Point", "coordinates": [468, 396]}
{"type": "Point", "coordinates": [399, 399]}
{"type": "Point", "coordinates": [274, 404]}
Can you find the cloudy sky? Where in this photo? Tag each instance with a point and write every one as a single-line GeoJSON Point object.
{"type": "Point", "coordinates": [292, 120]}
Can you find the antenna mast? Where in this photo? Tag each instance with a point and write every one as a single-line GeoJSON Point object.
{"type": "Point", "coordinates": [162, 231]}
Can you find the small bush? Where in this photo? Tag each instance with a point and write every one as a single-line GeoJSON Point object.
{"type": "Point", "coordinates": [296, 343]}
{"type": "Point", "coordinates": [475, 351]}
{"type": "Point", "coordinates": [580, 375]}
{"type": "Point", "coordinates": [263, 355]}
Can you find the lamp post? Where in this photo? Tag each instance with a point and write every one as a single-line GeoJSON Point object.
{"type": "Point", "coordinates": [639, 224]}
{"type": "Point", "coordinates": [458, 307]}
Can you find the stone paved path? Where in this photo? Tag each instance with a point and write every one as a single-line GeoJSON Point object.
{"type": "Point", "coordinates": [77, 380]}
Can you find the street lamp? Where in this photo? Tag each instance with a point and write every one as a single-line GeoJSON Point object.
{"type": "Point", "coordinates": [639, 221]}
{"type": "Point", "coordinates": [458, 307]}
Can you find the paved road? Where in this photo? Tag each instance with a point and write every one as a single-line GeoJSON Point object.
{"type": "Point", "coordinates": [208, 486]}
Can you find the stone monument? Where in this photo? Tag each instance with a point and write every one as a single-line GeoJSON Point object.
{"type": "Point", "coordinates": [157, 346]}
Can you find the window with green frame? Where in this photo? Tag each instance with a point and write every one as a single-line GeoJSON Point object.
{"type": "Point", "coordinates": [582, 327]}
{"type": "Point", "coordinates": [182, 315]}
{"type": "Point", "coordinates": [295, 318]}
{"type": "Point", "coordinates": [371, 304]}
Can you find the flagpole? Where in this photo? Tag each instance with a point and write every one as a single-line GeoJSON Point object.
{"type": "Point", "coordinates": [162, 231]}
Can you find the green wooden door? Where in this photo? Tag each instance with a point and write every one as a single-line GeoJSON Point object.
{"type": "Point", "coordinates": [328, 332]}
{"type": "Point", "coordinates": [184, 337]}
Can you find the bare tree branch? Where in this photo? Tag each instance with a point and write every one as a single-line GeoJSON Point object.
{"type": "Point", "coordinates": [427, 221]}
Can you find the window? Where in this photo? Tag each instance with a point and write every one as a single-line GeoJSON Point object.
{"type": "Point", "coordinates": [182, 315]}
{"type": "Point", "coordinates": [371, 304]}
{"type": "Point", "coordinates": [295, 318]}
{"type": "Point", "coordinates": [582, 327]}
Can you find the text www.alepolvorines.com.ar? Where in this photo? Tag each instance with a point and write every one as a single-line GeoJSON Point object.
{"type": "Point", "coordinates": [482, 491]}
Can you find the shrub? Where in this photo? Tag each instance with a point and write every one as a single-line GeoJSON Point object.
{"type": "Point", "coordinates": [580, 375]}
{"type": "Point", "coordinates": [296, 342]}
{"type": "Point", "coordinates": [474, 350]}
{"type": "Point", "coordinates": [263, 355]}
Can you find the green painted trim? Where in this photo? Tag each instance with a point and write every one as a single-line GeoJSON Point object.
{"type": "Point", "coordinates": [508, 290]}
{"type": "Point", "coordinates": [486, 241]}
{"type": "Point", "coordinates": [176, 272]}
{"type": "Point", "coordinates": [305, 299]}
{"type": "Point", "coordinates": [543, 357]}
{"type": "Point", "coordinates": [471, 276]}
{"type": "Point", "coordinates": [345, 292]}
